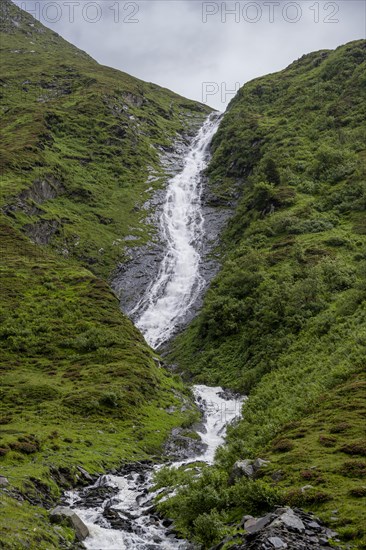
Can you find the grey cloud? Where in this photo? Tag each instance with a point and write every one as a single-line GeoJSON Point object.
{"type": "Point", "coordinates": [171, 45]}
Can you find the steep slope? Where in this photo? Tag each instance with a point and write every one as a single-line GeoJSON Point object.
{"type": "Point", "coordinates": [285, 319]}
{"type": "Point", "coordinates": [80, 141]}
{"type": "Point", "coordinates": [81, 146]}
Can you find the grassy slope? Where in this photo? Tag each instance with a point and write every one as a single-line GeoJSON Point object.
{"type": "Point", "coordinates": [79, 384]}
{"type": "Point", "coordinates": [285, 319]}
{"type": "Point", "coordinates": [94, 132]}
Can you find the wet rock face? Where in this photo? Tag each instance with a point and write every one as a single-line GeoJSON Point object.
{"type": "Point", "coordinates": [132, 279]}
{"type": "Point", "coordinates": [216, 218]}
{"type": "Point", "coordinates": [131, 511]}
{"type": "Point", "coordinates": [97, 494]}
{"type": "Point", "coordinates": [285, 528]}
{"type": "Point", "coordinates": [180, 446]}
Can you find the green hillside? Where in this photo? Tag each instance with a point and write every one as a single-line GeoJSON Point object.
{"type": "Point", "coordinates": [80, 387]}
{"type": "Point", "coordinates": [285, 319]}
{"type": "Point", "coordinates": [92, 135]}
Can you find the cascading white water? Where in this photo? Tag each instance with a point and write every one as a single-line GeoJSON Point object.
{"type": "Point", "coordinates": [132, 500]}
{"type": "Point", "coordinates": [166, 302]}
{"type": "Point", "coordinates": [179, 282]}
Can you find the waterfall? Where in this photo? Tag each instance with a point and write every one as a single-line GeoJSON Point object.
{"type": "Point", "coordinates": [126, 518]}
{"type": "Point", "coordinates": [178, 284]}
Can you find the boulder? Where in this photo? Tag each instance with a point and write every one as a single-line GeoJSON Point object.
{"type": "Point", "coordinates": [314, 525]}
{"type": "Point", "coordinates": [247, 468]}
{"type": "Point", "coordinates": [3, 481]}
{"type": "Point", "coordinates": [283, 529]}
{"type": "Point", "coordinates": [64, 514]}
{"type": "Point", "coordinates": [259, 463]}
{"type": "Point", "coordinates": [242, 468]}
{"type": "Point", "coordinates": [255, 525]}
{"type": "Point", "coordinates": [276, 542]}
{"type": "Point", "coordinates": [85, 474]}
{"type": "Point", "coordinates": [249, 523]}
{"type": "Point", "coordinates": [290, 520]}
{"type": "Point", "coordinates": [278, 475]}
{"type": "Point", "coordinates": [306, 488]}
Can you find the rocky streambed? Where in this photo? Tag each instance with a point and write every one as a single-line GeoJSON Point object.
{"type": "Point", "coordinates": [117, 511]}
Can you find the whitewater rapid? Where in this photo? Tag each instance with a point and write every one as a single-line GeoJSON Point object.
{"type": "Point", "coordinates": [179, 282]}
{"type": "Point", "coordinates": [125, 518]}
{"type": "Point", "coordinates": [133, 496]}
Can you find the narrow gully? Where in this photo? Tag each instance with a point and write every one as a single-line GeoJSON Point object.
{"type": "Point", "coordinates": [179, 281]}
{"type": "Point", "coordinates": [125, 517]}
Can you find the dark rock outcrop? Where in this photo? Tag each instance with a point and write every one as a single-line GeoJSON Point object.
{"type": "Point", "coordinates": [42, 231]}
{"type": "Point", "coordinates": [180, 446]}
{"type": "Point", "coordinates": [284, 528]}
{"type": "Point", "coordinates": [3, 481]}
{"type": "Point", "coordinates": [29, 200]}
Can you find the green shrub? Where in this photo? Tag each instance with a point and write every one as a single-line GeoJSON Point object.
{"type": "Point", "coordinates": [355, 448]}
{"type": "Point", "coordinates": [327, 441]}
{"type": "Point", "coordinates": [358, 492]}
{"type": "Point", "coordinates": [254, 497]}
{"type": "Point", "coordinates": [340, 428]}
{"type": "Point", "coordinates": [283, 446]}
{"type": "Point", "coordinates": [25, 447]}
{"type": "Point", "coordinates": [353, 468]}
{"type": "Point", "coordinates": [351, 533]}
{"type": "Point", "coordinates": [309, 497]}
{"type": "Point", "coordinates": [271, 171]}
{"type": "Point", "coordinates": [332, 165]}
{"type": "Point", "coordinates": [208, 529]}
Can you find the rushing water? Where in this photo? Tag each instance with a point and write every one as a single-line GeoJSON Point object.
{"type": "Point", "coordinates": [179, 282]}
{"type": "Point", "coordinates": [125, 518]}
{"type": "Point", "coordinates": [141, 528]}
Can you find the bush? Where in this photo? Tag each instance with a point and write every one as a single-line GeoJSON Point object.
{"type": "Point", "coordinates": [308, 474]}
{"type": "Point", "coordinates": [327, 441]}
{"type": "Point", "coordinates": [263, 196]}
{"type": "Point", "coordinates": [355, 448]}
{"type": "Point", "coordinates": [254, 496]}
{"type": "Point", "coordinates": [283, 446]}
{"type": "Point", "coordinates": [358, 492]}
{"type": "Point", "coordinates": [332, 165]}
{"type": "Point", "coordinates": [271, 172]}
{"type": "Point", "coordinates": [353, 468]}
{"type": "Point", "coordinates": [351, 533]}
{"type": "Point", "coordinates": [340, 427]}
{"type": "Point", "coordinates": [25, 447]}
{"type": "Point", "coordinates": [222, 317]}
{"type": "Point", "coordinates": [209, 529]}
{"type": "Point", "coordinates": [311, 497]}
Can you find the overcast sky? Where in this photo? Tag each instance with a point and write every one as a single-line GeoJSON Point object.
{"type": "Point", "coordinates": [201, 49]}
